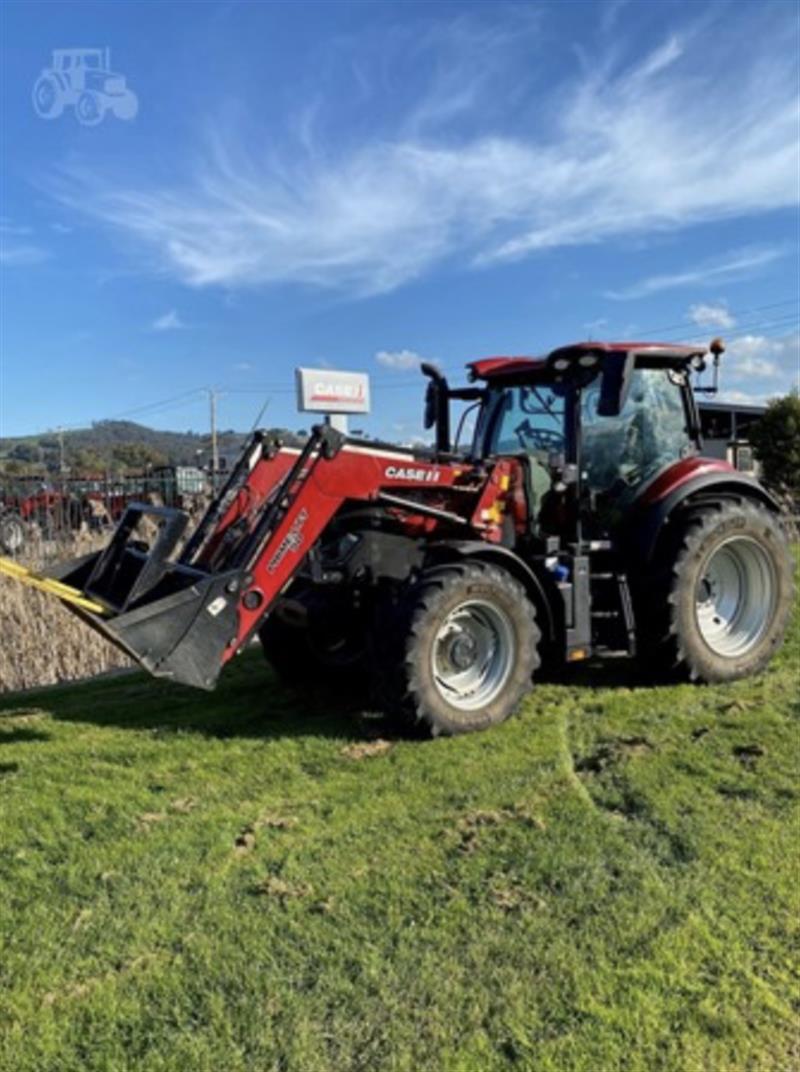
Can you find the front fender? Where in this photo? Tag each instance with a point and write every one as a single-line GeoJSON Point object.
{"type": "Point", "coordinates": [537, 588]}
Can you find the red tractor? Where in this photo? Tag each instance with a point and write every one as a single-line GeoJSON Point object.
{"type": "Point", "coordinates": [581, 521]}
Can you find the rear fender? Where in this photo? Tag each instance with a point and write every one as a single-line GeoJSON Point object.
{"type": "Point", "coordinates": [651, 520]}
{"type": "Point", "coordinates": [549, 604]}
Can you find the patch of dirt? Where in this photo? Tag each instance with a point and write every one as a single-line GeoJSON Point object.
{"type": "Point", "coordinates": [734, 707]}
{"type": "Point", "coordinates": [245, 842]}
{"type": "Point", "coordinates": [506, 897]}
{"type": "Point", "coordinates": [82, 919]}
{"type": "Point", "coordinates": [75, 991]}
{"type": "Point", "coordinates": [272, 886]}
{"type": "Point", "coordinates": [150, 818]}
{"type": "Point", "coordinates": [610, 752]}
{"type": "Point", "coordinates": [513, 898]}
{"type": "Point", "coordinates": [367, 749]}
{"type": "Point", "coordinates": [749, 754]}
{"type": "Point", "coordinates": [183, 805]}
{"type": "Point", "coordinates": [278, 822]}
{"type": "Point", "coordinates": [469, 826]}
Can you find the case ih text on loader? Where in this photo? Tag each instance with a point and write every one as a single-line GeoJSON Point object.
{"type": "Point", "coordinates": [582, 520]}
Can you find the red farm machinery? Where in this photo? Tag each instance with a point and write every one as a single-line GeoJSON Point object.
{"type": "Point", "coordinates": [582, 520]}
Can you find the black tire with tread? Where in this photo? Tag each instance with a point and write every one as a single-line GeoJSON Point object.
{"type": "Point", "coordinates": [405, 688]}
{"type": "Point", "coordinates": [290, 651]}
{"type": "Point", "coordinates": [671, 644]}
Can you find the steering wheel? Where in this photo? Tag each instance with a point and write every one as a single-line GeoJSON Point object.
{"type": "Point", "coordinates": [539, 438]}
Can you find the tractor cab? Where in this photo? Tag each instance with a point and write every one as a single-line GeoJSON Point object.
{"type": "Point", "coordinates": [592, 425]}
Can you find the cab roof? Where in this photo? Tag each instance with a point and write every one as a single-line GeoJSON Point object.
{"type": "Point", "coordinates": [490, 368]}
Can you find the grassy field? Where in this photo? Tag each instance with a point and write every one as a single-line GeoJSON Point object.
{"type": "Point", "coordinates": [244, 881]}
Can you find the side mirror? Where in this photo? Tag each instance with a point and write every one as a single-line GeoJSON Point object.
{"type": "Point", "coordinates": [615, 383]}
{"type": "Point", "coordinates": [437, 406]}
{"type": "Point", "coordinates": [431, 405]}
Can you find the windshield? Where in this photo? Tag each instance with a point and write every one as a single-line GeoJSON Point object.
{"type": "Point", "coordinates": [530, 421]}
{"type": "Point", "coordinates": [647, 435]}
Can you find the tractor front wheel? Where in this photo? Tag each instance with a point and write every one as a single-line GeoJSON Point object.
{"type": "Point", "coordinates": [90, 108]}
{"type": "Point", "coordinates": [726, 597]}
{"type": "Point", "coordinates": [460, 652]}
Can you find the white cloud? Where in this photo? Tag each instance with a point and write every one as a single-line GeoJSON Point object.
{"type": "Point", "coordinates": [753, 358]}
{"type": "Point", "coordinates": [7, 227]}
{"type": "Point", "coordinates": [399, 360]}
{"type": "Point", "coordinates": [168, 322]}
{"type": "Point", "coordinates": [711, 316]}
{"type": "Point", "coordinates": [728, 268]}
{"type": "Point", "coordinates": [17, 250]}
{"type": "Point", "coordinates": [243, 366]}
{"type": "Point", "coordinates": [615, 150]}
{"type": "Point", "coordinates": [743, 398]}
{"type": "Point", "coordinates": [21, 254]}
{"type": "Point", "coordinates": [611, 12]}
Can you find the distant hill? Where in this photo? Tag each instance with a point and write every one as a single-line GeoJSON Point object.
{"type": "Point", "coordinates": [118, 445]}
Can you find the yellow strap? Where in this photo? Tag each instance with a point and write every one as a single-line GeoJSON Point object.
{"type": "Point", "coordinates": [47, 584]}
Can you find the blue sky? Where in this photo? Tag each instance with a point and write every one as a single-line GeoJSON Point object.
{"type": "Point", "coordinates": [358, 185]}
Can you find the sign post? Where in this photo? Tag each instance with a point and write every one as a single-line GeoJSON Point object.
{"type": "Point", "coordinates": [333, 393]}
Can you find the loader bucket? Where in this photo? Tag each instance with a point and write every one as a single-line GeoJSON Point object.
{"type": "Point", "coordinates": [174, 620]}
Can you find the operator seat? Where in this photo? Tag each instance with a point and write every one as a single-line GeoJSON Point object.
{"type": "Point", "coordinates": [538, 482]}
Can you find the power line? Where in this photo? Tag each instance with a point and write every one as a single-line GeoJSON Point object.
{"type": "Point", "coordinates": [768, 326]}
{"type": "Point", "coordinates": [682, 325]}
{"type": "Point", "coordinates": [150, 407]}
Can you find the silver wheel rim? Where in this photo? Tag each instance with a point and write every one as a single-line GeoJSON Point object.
{"type": "Point", "coordinates": [735, 597]}
{"type": "Point", "coordinates": [473, 654]}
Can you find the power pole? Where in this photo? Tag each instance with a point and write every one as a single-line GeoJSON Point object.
{"type": "Point", "coordinates": [60, 431]}
{"type": "Point", "coordinates": [212, 399]}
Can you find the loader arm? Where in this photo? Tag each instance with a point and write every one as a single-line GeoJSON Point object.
{"type": "Point", "coordinates": [183, 614]}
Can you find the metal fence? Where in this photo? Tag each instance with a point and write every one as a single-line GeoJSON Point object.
{"type": "Point", "coordinates": [44, 520]}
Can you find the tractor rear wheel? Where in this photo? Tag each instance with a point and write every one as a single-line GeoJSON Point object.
{"type": "Point", "coordinates": [725, 597]}
{"type": "Point", "coordinates": [461, 651]}
{"type": "Point", "coordinates": [48, 100]}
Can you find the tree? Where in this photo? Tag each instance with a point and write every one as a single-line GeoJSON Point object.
{"type": "Point", "coordinates": [776, 438]}
{"type": "Point", "coordinates": [86, 462]}
{"type": "Point", "coordinates": [137, 456]}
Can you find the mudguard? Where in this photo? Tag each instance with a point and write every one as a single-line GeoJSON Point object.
{"type": "Point", "coordinates": [659, 501]}
{"type": "Point", "coordinates": [548, 602]}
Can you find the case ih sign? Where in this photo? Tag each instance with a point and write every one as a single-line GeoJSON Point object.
{"type": "Point", "coordinates": [327, 391]}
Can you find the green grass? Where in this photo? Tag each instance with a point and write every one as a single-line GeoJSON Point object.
{"type": "Point", "coordinates": [608, 881]}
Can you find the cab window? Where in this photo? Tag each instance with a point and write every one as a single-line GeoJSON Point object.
{"type": "Point", "coordinates": [649, 433]}
{"type": "Point", "coordinates": [530, 421]}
